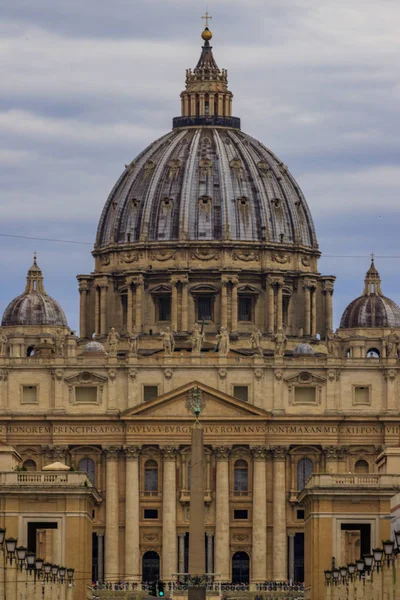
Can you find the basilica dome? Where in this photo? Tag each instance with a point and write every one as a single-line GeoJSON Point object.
{"type": "Point", "coordinates": [372, 309]}
{"type": "Point", "coordinates": [206, 180]}
{"type": "Point", "coordinates": [34, 306]}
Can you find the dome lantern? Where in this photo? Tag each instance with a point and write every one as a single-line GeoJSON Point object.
{"type": "Point", "coordinates": [206, 99]}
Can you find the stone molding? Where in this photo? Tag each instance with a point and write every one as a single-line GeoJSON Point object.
{"type": "Point", "coordinates": [334, 452]}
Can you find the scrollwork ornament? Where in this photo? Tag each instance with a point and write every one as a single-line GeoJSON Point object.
{"type": "Point", "coordinates": [390, 375]}
{"type": "Point", "coordinates": [222, 373]}
{"type": "Point", "coordinates": [169, 452]}
{"type": "Point", "coordinates": [162, 255]}
{"type": "Point", "coordinates": [333, 375]}
{"type": "Point", "coordinates": [132, 452]}
{"type": "Point", "coordinates": [105, 260]}
{"type": "Point", "coordinates": [259, 452]}
{"type": "Point", "coordinates": [278, 374]}
{"type": "Point", "coordinates": [280, 257]}
{"type": "Point", "coordinates": [132, 374]}
{"type": "Point", "coordinates": [258, 373]}
{"type": "Point", "coordinates": [240, 537]}
{"type": "Point", "coordinates": [112, 374]}
{"type": "Point", "coordinates": [246, 256]}
{"type": "Point", "coordinates": [305, 261]}
{"type": "Point", "coordinates": [57, 375]}
{"type": "Point", "coordinates": [3, 375]}
{"type": "Point", "coordinates": [129, 257]}
{"type": "Point", "coordinates": [279, 452]}
{"type": "Point", "coordinates": [168, 373]}
{"type": "Point", "coordinates": [204, 254]}
{"type": "Point", "coordinates": [222, 452]}
{"type": "Point", "coordinates": [111, 452]}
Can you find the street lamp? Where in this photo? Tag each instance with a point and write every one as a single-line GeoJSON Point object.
{"type": "Point", "coordinates": [21, 555]}
{"type": "Point", "coordinates": [368, 559]}
{"type": "Point", "coordinates": [30, 561]}
{"type": "Point", "coordinates": [62, 572]}
{"type": "Point", "coordinates": [397, 538]}
{"type": "Point", "coordinates": [388, 546]}
{"type": "Point", "coordinates": [351, 567]}
{"type": "Point", "coordinates": [360, 564]}
{"type": "Point", "coordinates": [2, 536]}
{"type": "Point", "coordinates": [343, 573]}
{"type": "Point", "coordinates": [11, 544]}
{"type": "Point", "coordinates": [328, 576]}
{"type": "Point", "coordinates": [378, 555]}
{"type": "Point", "coordinates": [335, 574]}
{"type": "Point", "coordinates": [70, 575]}
{"type": "Point", "coordinates": [47, 570]}
{"type": "Point", "coordinates": [54, 571]}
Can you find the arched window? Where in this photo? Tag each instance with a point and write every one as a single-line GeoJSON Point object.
{"type": "Point", "coordinates": [151, 476]}
{"type": "Point", "coordinates": [29, 465]}
{"type": "Point", "coordinates": [87, 466]}
{"type": "Point", "coordinates": [30, 351]}
{"type": "Point", "coordinates": [241, 476]}
{"type": "Point", "coordinates": [150, 566]}
{"type": "Point", "coordinates": [305, 469]}
{"type": "Point", "coordinates": [361, 466]}
{"type": "Point", "coordinates": [373, 353]}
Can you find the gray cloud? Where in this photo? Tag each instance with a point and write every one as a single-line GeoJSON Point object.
{"type": "Point", "coordinates": [86, 86]}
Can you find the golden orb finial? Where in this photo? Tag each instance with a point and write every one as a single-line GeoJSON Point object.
{"type": "Point", "coordinates": [206, 35]}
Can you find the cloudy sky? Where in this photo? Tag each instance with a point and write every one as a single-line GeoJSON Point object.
{"type": "Point", "coordinates": [86, 85]}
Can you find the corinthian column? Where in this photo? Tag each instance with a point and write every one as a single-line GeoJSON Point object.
{"type": "Point", "coordinates": [259, 531]}
{"type": "Point", "coordinates": [129, 305]}
{"type": "Point", "coordinates": [328, 291]}
{"type": "Point", "coordinates": [132, 553]}
{"type": "Point", "coordinates": [174, 305]}
{"type": "Point", "coordinates": [103, 308]}
{"type": "Point", "coordinates": [169, 541]}
{"type": "Point", "coordinates": [279, 543]}
{"type": "Point", "coordinates": [139, 283]}
{"type": "Point", "coordinates": [222, 545]}
{"type": "Point", "coordinates": [185, 283]}
{"type": "Point", "coordinates": [234, 305]}
{"type": "Point", "coordinates": [307, 309]}
{"type": "Point", "coordinates": [270, 307]}
{"type": "Point", "coordinates": [83, 289]}
{"type": "Point", "coordinates": [314, 311]}
{"type": "Point", "coordinates": [279, 307]}
{"type": "Point", "coordinates": [112, 524]}
{"type": "Point", "coordinates": [224, 303]}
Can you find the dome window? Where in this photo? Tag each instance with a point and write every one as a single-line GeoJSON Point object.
{"type": "Point", "coordinates": [373, 353]}
{"type": "Point", "coordinates": [243, 201]}
{"type": "Point", "coordinates": [277, 202]}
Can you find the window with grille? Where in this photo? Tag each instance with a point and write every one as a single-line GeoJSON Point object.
{"type": "Point", "coordinates": [305, 469]}
{"type": "Point", "coordinates": [150, 392]}
{"type": "Point", "coordinates": [87, 466]}
{"type": "Point", "coordinates": [204, 308]}
{"type": "Point", "coordinates": [164, 308]}
{"type": "Point", "coordinates": [151, 476]}
{"type": "Point", "coordinates": [241, 476]}
{"type": "Point", "coordinates": [245, 308]}
{"type": "Point", "coordinates": [241, 392]}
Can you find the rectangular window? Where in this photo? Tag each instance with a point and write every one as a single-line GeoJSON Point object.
{"type": "Point", "coordinates": [304, 395]}
{"type": "Point", "coordinates": [86, 394]}
{"type": "Point", "coordinates": [150, 392]}
{"type": "Point", "coordinates": [361, 394]}
{"type": "Point", "coordinates": [240, 514]}
{"type": "Point", "coordinates": [164, 308]}
{"type": "Point", "coordinates": [241, 392]}
{"type": "Point", "coordinates": [245, 308]}
{"type": "Point", "coordinates": [204, 308]}
{"type": "Point", "coordinates": [29, 394]}
{"type": "Point", "coordinates": [150, 513]}
{"type": "Point", "coordinates": [300, 515]}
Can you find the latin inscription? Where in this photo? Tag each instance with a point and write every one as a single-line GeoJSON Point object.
{"type": "Point", "coordinates": [208, 429]}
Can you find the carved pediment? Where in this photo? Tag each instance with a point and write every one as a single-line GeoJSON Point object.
{"type": "Point", "coordinates": [216, 405]}
{"type": "Point", "coordinates": [161, 289]}
{"type": "Point", "coordinates": [248, 289]}
{"type": "Point", "coordinates": [85, 377]}
{"type": "Point", "coordinates": [305, 378]}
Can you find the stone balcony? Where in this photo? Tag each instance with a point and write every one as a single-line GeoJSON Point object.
{"type": "Point", "coordinates": [44, 479]}
{"type": "Point", "coordinates": [341, 481]}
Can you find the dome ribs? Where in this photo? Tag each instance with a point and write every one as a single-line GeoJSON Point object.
{"type": "Point", "coordinates": [234, 166]}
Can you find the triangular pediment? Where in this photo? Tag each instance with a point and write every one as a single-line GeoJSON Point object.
{"type": "Point", "coordinates": [216, 405]}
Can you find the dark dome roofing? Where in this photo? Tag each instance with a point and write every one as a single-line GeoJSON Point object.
{"type": "Point", "coordinates": [34, 306]}
{"type": "Point", "coordinates": [372, 309]}
{"type": "Point", "coordinates": [206, 183]}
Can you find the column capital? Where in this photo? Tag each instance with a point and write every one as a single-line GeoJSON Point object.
{"type": "Point", "coordinates": [222, 452]}
{"type": "Point", "coordinates": [334, 452]}
{"type": "Point", "coordinates": [56, 453]}
{"type": "Point", "coordinates": [169, 452]}
{"type": "Point", "coordinates": [181, 534]}
{"type": "Point", "coordinates": [132, 452]}
{"type": "Point", "coordinates": [83, 287]}
{"type": "Point", "coordinates": [309, 284]}
{"type": "Point", "coordinates": [259, 452]}
{"type": "Point", "coordinates": [138, 280]}
{"type": "Point", "coordinates": [279, 452]}
{"type": "Point", "coordinates": [276, 281]}
{"type": "Point", "coordinates": [111, 452]}
{"type": "Point", "coordinates": [129, 280]}
{"type": "Point", "coordinates": [102, 283]}
{"type": "Point", "coordinates": [209, 534]}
